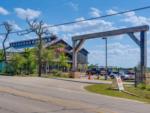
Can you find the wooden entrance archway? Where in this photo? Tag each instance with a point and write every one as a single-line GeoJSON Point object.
{"type": "Point", "coordinates": [141, 42]}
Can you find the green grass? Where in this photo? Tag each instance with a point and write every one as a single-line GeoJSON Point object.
{"type": "Point", "coordinates": [105, 89]}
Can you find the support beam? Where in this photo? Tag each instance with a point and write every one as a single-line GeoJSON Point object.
{"type": "Point", "coordinates": [74, 65]}
{"type": "Point", "coordinates": [78, 46]}
{"type": "Point", "coordinates": [134, 38]}
{"type": "Point", "coordinates": [112, 32]}
{"type": "Point", "coordinates": [143, 50]}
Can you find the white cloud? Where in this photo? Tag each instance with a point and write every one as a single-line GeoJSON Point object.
{"type": "Point", "coordinates": [14, 25]}
{"type": "Point", "coordinates": [66, 37]}
{"type": "Point", "coordinates": [111, 11]}
{"type": "Point", "coordinates": [3, 11]}
{"type": "Point", "coordinates": [132, 18]}
{"type": "Point", "coordinates": [85, 26]}
{"type": "Point", "coordinates": [119, 54]}
{"type": "Point", "coordinates": [27, 13]}
{"type": "Point", "coordinates": [74, 6]}
{"type": "Point", "coordinates": [148, 42]}
{"type": "Point", "coordinates": [96, 57]}
{"type": "Point", "coordinates": [122, 49]}
{"type": "Point", "coordinates": [94, 12]}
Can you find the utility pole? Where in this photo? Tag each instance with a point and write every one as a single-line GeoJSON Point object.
{"type": "Point", "coordinates": [106, 66]}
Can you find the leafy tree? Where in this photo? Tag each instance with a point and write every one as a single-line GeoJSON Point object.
{"type": "Point", "coordinates": [91, 66]}
{"type": "Point", "coordinates": [30, 60]}
{"type": "Point", "coordinates": [17, 62]}
{"type": "Point", "coordinates": [59, 57]}
{"type": "Point", "coordinates": [48, 56]}
{"type": "Point", "coordinates": [63, 60]}
{"type": "Point", "coordinates": [1, 55]}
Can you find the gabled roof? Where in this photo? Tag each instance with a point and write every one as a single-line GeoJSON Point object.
{"type": "Point", "coordinates": [83, 50]}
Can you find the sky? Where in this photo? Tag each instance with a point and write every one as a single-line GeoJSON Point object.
{"type": "Point", "coordinates": [122, 51]}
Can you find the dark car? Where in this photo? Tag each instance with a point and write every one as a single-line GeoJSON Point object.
{"type": "Point", "coordinates": [93, 71]}
{"type": "Point", "coordinates": [103, 71]}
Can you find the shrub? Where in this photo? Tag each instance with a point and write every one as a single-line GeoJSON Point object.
{"type": "Point", "coordinates": [65, 75]}
{"type": "Point", "coordinates": [142, 86]}
{"type": "Point", "coordinates": [56, 73]}
{"type": "Point", "coordinates": [148, 87]}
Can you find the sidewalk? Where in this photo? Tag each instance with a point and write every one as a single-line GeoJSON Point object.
{"type": "Point", "coordinates": [86, 81]}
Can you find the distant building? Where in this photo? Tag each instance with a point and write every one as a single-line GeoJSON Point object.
{"type": "Point", "coordinates": [19, 46]}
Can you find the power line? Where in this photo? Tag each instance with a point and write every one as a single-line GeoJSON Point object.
{"type": "Point", "coordinates": [104, 16]}
{"type": "Point", "coordinates": [73, 22]}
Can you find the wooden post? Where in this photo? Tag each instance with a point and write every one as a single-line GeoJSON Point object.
{"type": "Point", "coordinates": [143, 51]}
{"type": "Point", "coordinates": [74, 65]}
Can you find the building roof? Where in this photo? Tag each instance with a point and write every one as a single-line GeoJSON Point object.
{"type": "Point", "coordinates": [19, 46]}
{"type": "Point", "coordinates": [28, 43]}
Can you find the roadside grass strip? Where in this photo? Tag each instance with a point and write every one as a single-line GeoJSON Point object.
{"type": "Point", "coordinates": [129, 93]}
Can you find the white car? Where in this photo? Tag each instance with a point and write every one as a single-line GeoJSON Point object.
{"type": "Point", "coordinates": [113, 74]}
{"type": "Point", "coordinates": [131, 75]}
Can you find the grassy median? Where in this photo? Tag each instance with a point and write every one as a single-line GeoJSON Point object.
{"type": "Point", "coordinates": [135, 93]}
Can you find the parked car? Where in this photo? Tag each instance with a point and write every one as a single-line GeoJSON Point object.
{"type": "Point", "coordinates": [121, 74]}
{"type": "Point", "coordinates": [113, 74]}
{"type": "Point", "coordinates": [131, 75]}
{"type": "Point", "coordinates": [93, 71]}
{"type": "Point", "coordinates": [104, 72]}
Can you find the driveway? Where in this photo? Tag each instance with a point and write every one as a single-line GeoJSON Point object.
{"type": "Point", "coordinates": [43, 95]}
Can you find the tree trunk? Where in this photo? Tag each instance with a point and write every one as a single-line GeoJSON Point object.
{"type": "Point", "coordinates": [39, 57]}
{"type": "Point", "coordinates": [4, 50]}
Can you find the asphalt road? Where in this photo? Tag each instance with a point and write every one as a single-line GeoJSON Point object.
{"type": "Point", "coordinates": [42, 95]}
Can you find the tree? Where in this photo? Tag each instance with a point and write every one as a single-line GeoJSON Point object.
{"type": "Point", "coordinates": [1, 55]}
{"type": "Point", "coordinates": [17, 61]}
{"type": "Point", "coordinates": [48, 56]}
{"type": "Point", "coordinates": [8, 29]}
{"type": "Point", "coordinates": [38, 28]}
{"type": "Point", "coordinates": [91, 66]}
{"type": "Point", "coordinates": [30, 60]}
{"type": "Point", "coordinates": [63, 60]}
{"type": "Point", "coordinates": [59, 56]}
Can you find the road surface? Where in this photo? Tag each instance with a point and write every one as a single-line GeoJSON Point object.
{"type": "Point", "coordinates": [43, 95]}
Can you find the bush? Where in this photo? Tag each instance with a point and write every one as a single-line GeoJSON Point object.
{"type": "Point", "coordinates": [148, 87]}
{"type": "Point", "coordinates": [65, 75]}
{"type": "Point", "coordinates": [56, 73]}
{"type": "Point", "coordinates": [142, 86]}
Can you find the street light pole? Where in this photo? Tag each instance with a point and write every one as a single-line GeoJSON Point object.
{"type": "Point", "coordinates": [106, 67]}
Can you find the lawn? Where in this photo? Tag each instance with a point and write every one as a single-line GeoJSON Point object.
{"type": "Point", "coordinates": [105, 89]}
